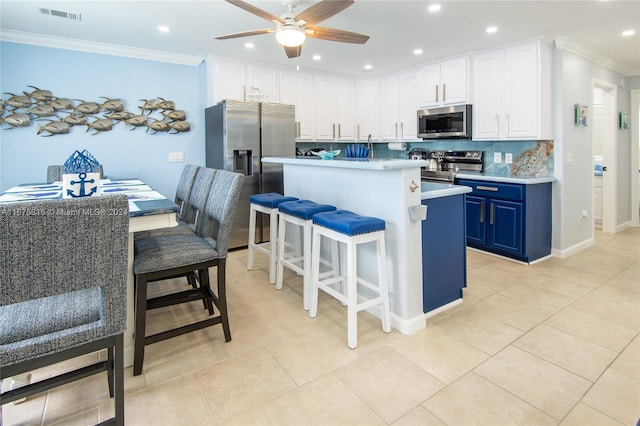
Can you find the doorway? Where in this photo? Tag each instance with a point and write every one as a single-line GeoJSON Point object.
{"type": "Point", "coordinates": [605, 156]}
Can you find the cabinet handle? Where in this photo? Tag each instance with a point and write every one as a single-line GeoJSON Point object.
{"type": "Point", "coordinates": [358, 132]}
{"type": "Point", "coordinates": [491, 214]}
{"type": "Point", "coordinates": [507, 124]}
{"type": "Point", "coordinates": [396, 130]}
{"type": "Point", "coordinates": [401, 130]}
{"type": "Point", "coordinates": [333, 133]}
{"type": "Point", "coordinates": [436, 93]}
{"type": "Point", "coordinates": [482, 211]}
{"type": "Point", "coordinates": [297, 129]}
{"type": "Point", "coordinates": [487, 188]}
{"type": "Point", "coordinates": [497, 124]}
{"type": "Point", "coordinates": [444, 92]}
{"type": "Point", "coordinates": [339, 131]}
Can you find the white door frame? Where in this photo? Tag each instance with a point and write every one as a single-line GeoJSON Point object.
{"type": "Point", "coordinates": [610, 157]}
{"type": "Point", "coordinates": [634, 120]}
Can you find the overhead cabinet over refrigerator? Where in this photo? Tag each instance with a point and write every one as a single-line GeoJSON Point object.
{"type": "Point", "coordinates": [238, 135]}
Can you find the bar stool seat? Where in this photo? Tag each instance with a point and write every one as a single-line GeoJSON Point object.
{"type": "Point", "coordinates": [300, 214]}
{"type": "Point", "coordinates": [268, 204]}
{"type": "Point", "coordinates": [351, 230]}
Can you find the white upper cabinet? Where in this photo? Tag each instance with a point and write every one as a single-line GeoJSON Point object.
{"type": "Point", "coordinates": [305, 107]}
{"type": "Point", "coordinates": [511, 93]}
{"type": "Point", "coordinates": [287, 85]}
{"type": "Point", "coordinates": [334, 102]}
{"type": "Point", "coordinates": [399, 102]}
{"type": "Point", "coordinates": [262, 82]}
{"type": "Point", "coordinates": [367, 109]}
{"type": "Point", "coordinates": [345, 109]}
{"type": "Point", "coordinates": [444, 83]}
{"type": "Point", "coordinates": [229, 81]}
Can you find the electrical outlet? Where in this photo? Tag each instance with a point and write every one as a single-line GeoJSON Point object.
{"type": "Point", "coordinates": [497, 157]}
{"type": "Point", "coordinates": [176, 157]}
{"type": "Point", "coordinates": [508, 158]}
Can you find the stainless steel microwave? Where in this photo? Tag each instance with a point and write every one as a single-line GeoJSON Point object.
{"type": "Point", "coordinates": [445, 122]}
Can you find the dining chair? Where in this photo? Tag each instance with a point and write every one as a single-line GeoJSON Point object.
{"type": "Point", "coordinates": [55, 172]}
{"type": "Point", "coordinates": [180, 255]}
{"type": "Point", "coordinates": [193, 206]}
{"type": "Point", "coordinates": [63, 265]}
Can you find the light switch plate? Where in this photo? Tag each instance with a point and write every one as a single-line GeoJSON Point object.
{"type": "Point", "coordinates": [176, 157]}
{"type": "Point", "coordinates": [497, 157]}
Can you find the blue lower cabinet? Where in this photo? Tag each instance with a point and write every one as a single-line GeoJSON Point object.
{"type": "Point", "coordinates": [444, 256]}
{"type": "Point", "coordinates": [511, 220]}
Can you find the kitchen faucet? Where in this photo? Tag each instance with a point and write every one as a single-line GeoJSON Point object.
{"type": "Point", "coordinates": [370, 146]}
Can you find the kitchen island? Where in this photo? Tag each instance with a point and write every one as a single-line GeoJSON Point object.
{"type": "Point", "coordinates": [385, 188]}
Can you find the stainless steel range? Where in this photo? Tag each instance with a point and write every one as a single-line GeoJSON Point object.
{"type": "Point", "coordinates": [444, 165]}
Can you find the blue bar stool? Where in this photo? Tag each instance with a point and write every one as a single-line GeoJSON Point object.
{"type": "Point", "coordinates": [298, 213]}
{"type": "Point", "coordinates": [351, 230]}
{"type": "Point", "coordinates": [268, 204]}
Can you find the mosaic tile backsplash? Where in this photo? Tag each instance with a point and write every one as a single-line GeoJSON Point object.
{"type": "Point", "coordinates": [530, 158]}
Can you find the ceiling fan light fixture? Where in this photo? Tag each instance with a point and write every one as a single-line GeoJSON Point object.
{"type": "Point", "coordinates": [290, 35]}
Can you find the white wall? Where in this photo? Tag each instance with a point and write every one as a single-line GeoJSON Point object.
{"type": "Point", "coordinates": [573, 83]}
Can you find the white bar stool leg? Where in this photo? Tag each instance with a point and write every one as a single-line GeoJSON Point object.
{"type": "Point", "coordinates": [252, 236]}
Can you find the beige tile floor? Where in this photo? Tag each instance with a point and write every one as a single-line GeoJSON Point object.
{"type": "Point", "coordinates": [552, 343]}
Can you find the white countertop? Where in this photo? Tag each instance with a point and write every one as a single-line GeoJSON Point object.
{"type": "Point", "coordinates": [506, 179]}
{"type": "Point", "coordinates": [360, 163]}
{"type": "Point", "coordinates": [429, 190]}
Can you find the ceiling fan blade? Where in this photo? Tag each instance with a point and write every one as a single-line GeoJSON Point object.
{"type": "Point", "coordinates": [293, 52]}
{"type": "Point", "coordinates": [256, 11]}
{"type": "Point", "coordinates": [323, 10]}
{"type": "Point", "coordinates": [336, 35]}
{"type": "Point", "coordinates": [244, 34]}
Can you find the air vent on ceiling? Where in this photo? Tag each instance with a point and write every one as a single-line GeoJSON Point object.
{"type": "Point", "coordinates": [60, 13]}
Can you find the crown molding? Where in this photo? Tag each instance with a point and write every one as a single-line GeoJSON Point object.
{"type": "Point", "coordinates": [565, 43]}
{"type": "Point", "coordinates": [95, 47]}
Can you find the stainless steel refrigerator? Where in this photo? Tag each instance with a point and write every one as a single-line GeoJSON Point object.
{"type": "Point", "coordinates": [238, 135]}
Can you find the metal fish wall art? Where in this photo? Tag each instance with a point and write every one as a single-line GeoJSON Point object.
{"type": "Point", "coordinates": [158, 115]}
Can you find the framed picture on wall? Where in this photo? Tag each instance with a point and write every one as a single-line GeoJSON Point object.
{"type": "Point", "coordinates": [624, 121]}
{"type": "Point", "coordinates": [581, 115]}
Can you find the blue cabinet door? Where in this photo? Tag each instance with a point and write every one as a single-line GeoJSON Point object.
{"type": "Point", "coordinates": [476, 227]}
{"type": "Point", "coordinates": [505, 226]}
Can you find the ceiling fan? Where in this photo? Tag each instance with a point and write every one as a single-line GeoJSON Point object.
{"type": "Point", "coordinates": [291, 30]}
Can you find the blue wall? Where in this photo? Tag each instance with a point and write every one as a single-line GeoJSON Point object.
{"type": "Point", "coordinates": [24, 155]}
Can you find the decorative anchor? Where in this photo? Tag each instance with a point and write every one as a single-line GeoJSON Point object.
{"type": "Point", "coordinates": [83, 181]}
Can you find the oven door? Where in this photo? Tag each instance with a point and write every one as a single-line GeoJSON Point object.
{"type": "Point", "coordinates": [445, 123]}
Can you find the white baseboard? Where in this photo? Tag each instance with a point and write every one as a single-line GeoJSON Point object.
{"type": "Point", "coordinates": [562, 254]}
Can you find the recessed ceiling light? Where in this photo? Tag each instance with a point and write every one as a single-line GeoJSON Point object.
{"type": "Point", "coordinates": [628, 33]}
{"type": "Point", "coordinates": [417, 51]}
{"type": "Point", "coordinates": [368, 66]}
{"type": "Point", "coordinates": [434, 8]}
{"type": "Point", "coordinates": [492, 29]}
{"type": "Point", "coordinates": [164, 29]}
{"type": "Point", "coordinates": [316, 57]}
{"type": "Point", "coordinates": [249, 45]}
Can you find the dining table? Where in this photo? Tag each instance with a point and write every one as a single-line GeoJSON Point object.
{"type": "Point", "coordinates": [148, 209]}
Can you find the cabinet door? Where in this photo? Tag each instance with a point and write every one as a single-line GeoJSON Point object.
{"type": "Point", "coordinates": [487, 95]}
{"type": "Point", "coordinates": [454, 81]}
{"type": "Point", "coordinates": [229, 81]}
{"type": "Point", "coordinates": [367, 109]}
{"type": "Point", "coordinates": [345, 108]}
{"type": "Point", "coordinates": [389, 109]}
{"type": "Point", "coordinates": [476, 226]}
{"type": "Point", "coordinates": [325, 118]}
{"type": "Point", "coordinates": [305, 107]}
{"type": "Point", "coordinates": [522, 89]}
{"type": "Point", "coordinates": [287, 87]}
{"type": "Point", "coordinates": [429, 77]}
{"type": "Point", "coordinates": [408, 103]}
{"type": "Point", "coordinates": [505, 226]}
{"type": "Point", "coordinates": [265, 81]}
